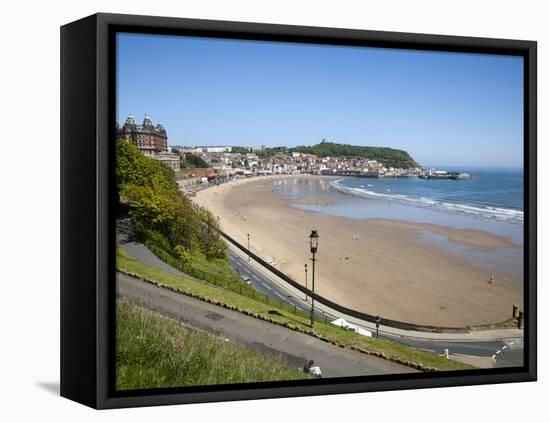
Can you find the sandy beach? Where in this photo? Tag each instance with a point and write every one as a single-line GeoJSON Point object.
{"type": "Point", "coordinates": [376, 266]}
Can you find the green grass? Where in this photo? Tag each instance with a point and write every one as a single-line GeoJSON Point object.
{"type": "Point", "coordinates": [282, 315]}
{"type": "Point", "coordinates": [154, 351]}
{"type": "Point", "coordinates": [238, 285]}
{"type": "Point", "coordinates": [199, 266]}
{"type": "Point", "coordinates": [219, 267]}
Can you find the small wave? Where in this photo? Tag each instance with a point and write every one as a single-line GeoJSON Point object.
{"type": "Point", "coordinates": [487, 212]}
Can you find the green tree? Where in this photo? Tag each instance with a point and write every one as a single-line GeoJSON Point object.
{"type": "Point", "coordinates": [183, 254]}
{"type": "Point", "coordinates": [159, 212]}
{"type": "Point", "coordinates": [389, 157]}
{"type": "Point", "coordinates": [192, 160]}
{"type": "Point", "coordinates": [240, 150]}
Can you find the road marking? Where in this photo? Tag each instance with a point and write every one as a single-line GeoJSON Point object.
{"type": "Point", "coordinates": [267, 286]}
{"type": "Point", "coordinates": [261, 270]}
{"type": "Point", "coordinates": [467, 355]}
{"type": "Point", "coordinates": [515, 344]}
{"type": "Point", "coordinates": [255, 277]}
{"type": "Point", "coordinates": [281, 284]}
{"type": "Point", "coordinates": [247, 271]}
{"type": "Point", "coordinates": [508, 345]}
{"type": "Point", "coordinates": [280, 296]}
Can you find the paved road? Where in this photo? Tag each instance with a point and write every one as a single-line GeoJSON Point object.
{"type": "Point", "coordinates": [294, 347]}
{"type": "Point", "coordinates": [506, 353]}
{"type": "Point", "coordinates": [511, 349]}
{"type": "Point", "coordinates": [262, 283]}
{"type": "Point", "coordinates": [137, 250]}
{"type": "Point", "coordinates": [268, 285]}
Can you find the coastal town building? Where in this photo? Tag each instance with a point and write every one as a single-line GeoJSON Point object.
{"type": "Point", "coordinates": [206, 149]}
{"type": "Point", "coordinates": [238, 163]}
{"type": "Point", "coordinates": [169, 159]}
{"type": "Point", "coordinates": [214, 149]}
{"type": "Point", "coordinates": [151, 140]}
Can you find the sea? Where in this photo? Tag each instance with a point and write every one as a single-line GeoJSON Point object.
{"type": "Point", "coordinates": [492, 200]}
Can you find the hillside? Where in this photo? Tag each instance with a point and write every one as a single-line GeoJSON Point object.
{"type": "Point", "coordinates": [389, 157]}
{"type": "Point", "coordinates": [158, 211]}
{"type": "Point", "coordinates": [154, 351]}
{"type": "Point", "coordinates": [274, 311]}
{"type": "Point", "coordinates": [162, 217]}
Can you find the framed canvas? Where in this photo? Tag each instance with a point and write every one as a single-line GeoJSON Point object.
{"type": "Point", "coordinates": [258, 211]}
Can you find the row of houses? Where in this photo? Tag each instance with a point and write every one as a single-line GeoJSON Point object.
{"type": "Point", "coordinates": [226, 161]}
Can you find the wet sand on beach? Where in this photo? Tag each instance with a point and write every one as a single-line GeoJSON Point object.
{"type": "Point", "coordinates": [376, 266]}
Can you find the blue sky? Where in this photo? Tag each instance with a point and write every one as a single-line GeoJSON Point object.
{"type": "Point", "coordinates": [443, 108]}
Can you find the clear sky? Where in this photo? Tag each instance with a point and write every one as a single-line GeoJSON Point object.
{"type": "Point", "coordinates": [443, 108]}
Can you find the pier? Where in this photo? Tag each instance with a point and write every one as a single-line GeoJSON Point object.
{"type": "Point", "coordinates": [363, 174]}
{"type": "Point", "coordinates": [428, 174]}
{"type": "Point", "coordinates": [443, 174]}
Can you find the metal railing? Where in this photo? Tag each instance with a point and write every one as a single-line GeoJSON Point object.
{"type": "Point", "coordinates": [237, 287]}
{"type": "Point", "coordinates": [338, 307]}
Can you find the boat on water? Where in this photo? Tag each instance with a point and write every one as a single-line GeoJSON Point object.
{"type": "Point", "coordinates": [462, 175]}
{"type": "Point", "coordinates": [443, 174]}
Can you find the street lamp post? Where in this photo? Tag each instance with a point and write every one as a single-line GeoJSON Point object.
{"type": "Point", "coordinates": [248, 237]}
{"type": "Point", "coordinates": [377, 321]}
{"type": "Point", "coordinates": [313, 244]}
{"type": "Point", "coordinates": [305, 269]}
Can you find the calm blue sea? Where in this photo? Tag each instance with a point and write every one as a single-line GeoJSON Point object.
{"type": "Point", "coordinates": [491, 201]}
{"type": "Point", "coordinates": [490, 194]}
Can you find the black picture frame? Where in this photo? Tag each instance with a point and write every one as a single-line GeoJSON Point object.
{"type": "Point", "coordinates": [87, 223]}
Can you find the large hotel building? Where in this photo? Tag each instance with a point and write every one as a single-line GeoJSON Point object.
{"type": "Point", "coordinates": [150, 140]}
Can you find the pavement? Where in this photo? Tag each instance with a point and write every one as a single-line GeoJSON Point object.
{"type": "Point", "coordinates": [294, 347]}
{"type": "Point", "coordinates": [479, 346]}
{"type": "Point", "coordinates": [492, 348]}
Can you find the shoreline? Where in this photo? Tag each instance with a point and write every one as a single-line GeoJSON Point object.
{"type": "Point", "coordinates": [377, 266]}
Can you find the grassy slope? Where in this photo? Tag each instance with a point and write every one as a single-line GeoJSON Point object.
{"type": "Point", "coordinates": [154, 351]}
{"type": "Point", "coordinates": [329, 331]}
{"type": "Point", "coordinates": [219, 267]}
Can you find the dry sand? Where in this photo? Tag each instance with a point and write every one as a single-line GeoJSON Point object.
{"type": "Point", "coordinates": [384, 271]}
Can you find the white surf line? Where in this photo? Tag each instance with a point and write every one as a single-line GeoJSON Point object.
{"type": "Point", "coordinates": [266, 285]}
